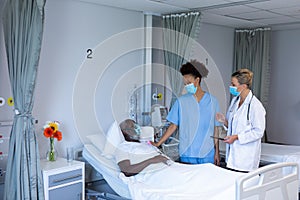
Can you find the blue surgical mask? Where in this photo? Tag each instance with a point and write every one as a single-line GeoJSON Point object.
{"type": "Point", "coordinates": [233, 91]}
{"type": "Point", "coordinates": [133, 133]}
{"type": "Point", "coordinates": [137, 129]}
{"type": "Point", "coordinates": [191, 88]}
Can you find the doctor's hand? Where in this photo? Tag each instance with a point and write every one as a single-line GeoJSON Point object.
{"type": "Point", "coordinates": [220, 117]}
{"type": "Point", "coordinates": [231, 139]}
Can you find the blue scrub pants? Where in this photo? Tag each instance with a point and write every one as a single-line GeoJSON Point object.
{"type": "Point", "coordinates": [193, 160]}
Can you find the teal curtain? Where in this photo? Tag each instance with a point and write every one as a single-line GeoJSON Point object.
{"type": "Point", "coordinates": [252, 51]}
{"type": "Point", "coordinates": [178, 32]}
{"type": "Point", "coordinates": [23, 30]}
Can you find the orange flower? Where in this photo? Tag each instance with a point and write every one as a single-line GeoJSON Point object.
{"type": "Point", "coordinates": [48, 132]}
{"type": "Point", "coordinates": [51, 130]}
{"type": "Point", "coordinates": [58, 135]}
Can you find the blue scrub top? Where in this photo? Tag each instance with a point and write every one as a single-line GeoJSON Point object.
{"type": "Point", "coordinates": [208, 106]}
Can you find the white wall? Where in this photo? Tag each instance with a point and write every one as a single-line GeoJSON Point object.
{"type": "Point", "coordinates": [72, 27]}
{"type": "Point", "coordinates": [283, 113]}
{"type": "Point", "coordinates": [6, 111]}
{"type": "Point", "coordinates": [218, 41]}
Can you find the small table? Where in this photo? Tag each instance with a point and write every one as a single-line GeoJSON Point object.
{"type": "Point", "coordinates": [63, 179]}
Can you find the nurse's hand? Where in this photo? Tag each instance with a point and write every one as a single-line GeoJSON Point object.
{"type": "Point", "coordinates": [154, 144]}
{"type": "Point", "coordinates": [231, 139]}
{"type": "Point", "coordinates": [217, 159]}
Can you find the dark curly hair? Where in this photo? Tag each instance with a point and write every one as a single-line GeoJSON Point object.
{"type": "Point", "coordinates": [195, 68]}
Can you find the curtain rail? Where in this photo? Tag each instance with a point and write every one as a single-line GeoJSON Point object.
{"type": "Point", "coordinates": [255, 29]}
{"type": "Point", "coordinates": [180, 14]}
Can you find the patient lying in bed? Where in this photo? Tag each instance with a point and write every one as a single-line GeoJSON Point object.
{"type": "Point", "coordinates": [146, 174]}
{"type": "Point", "coordinates": [150, 175]}
{"type": "Point", "coordinates": [137, 157]}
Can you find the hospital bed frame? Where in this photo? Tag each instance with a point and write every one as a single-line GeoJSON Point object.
{"type": "Point", "coordinates": [274, 181]}
{"type": "Point", "coordinates": [95, 195]}
{"type": "Point", "coordinates": [274, 153]}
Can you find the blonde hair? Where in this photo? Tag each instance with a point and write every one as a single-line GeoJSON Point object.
{"type": "Point", "coordinates": [244, 76]}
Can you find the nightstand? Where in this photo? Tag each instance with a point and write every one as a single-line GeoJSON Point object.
{"type": "Point", "coordinates": [63, 179]}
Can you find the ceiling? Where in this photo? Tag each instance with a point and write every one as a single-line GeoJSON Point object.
{"type": "Point", "coordinates": [278, 14]}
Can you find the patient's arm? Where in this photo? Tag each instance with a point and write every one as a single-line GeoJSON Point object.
{"type": "Point", "coordinates": [130, 170]}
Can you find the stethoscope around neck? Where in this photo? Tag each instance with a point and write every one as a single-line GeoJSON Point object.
{"type": "Point", "coordinates": [248, 109]}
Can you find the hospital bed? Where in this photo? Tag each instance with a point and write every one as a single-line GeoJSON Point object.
{"type": "Point", "coordinates": [275, 153]}
{"type": "Point", "coordinates": [274, 181]}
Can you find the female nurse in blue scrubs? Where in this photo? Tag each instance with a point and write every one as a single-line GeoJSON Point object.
{"type": "Point", "coordinates": [194, 115]}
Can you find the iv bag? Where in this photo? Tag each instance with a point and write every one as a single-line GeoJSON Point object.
{"type": "Point", "coordinates": [158, 115]}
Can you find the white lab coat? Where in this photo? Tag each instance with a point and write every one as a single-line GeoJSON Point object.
{"type": "Point", "coordinates": [244, 153]}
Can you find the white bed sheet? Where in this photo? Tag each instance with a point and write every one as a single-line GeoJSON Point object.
{"type": "Point", "coordinates": [108, 169]}
{"type": "Point", "coordinates": [278, 153]}
{"type": "Point", "coordinates": [272, 153]}
{"type": "Point", "coordinates": [178, 181]}
{"type": "Point", "coordinates": [275, 153]}
{"type": "Point", "coordinates": [204, 181]}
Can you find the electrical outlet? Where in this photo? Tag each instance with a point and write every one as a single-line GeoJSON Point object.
{"type": "Point", "coordinates": [78, 154]}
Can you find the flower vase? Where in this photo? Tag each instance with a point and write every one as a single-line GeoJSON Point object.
{"type": "Point", "coordinates": [52, 153]}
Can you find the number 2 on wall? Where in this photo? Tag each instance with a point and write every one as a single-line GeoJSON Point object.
{"type": "Point", "coordinates": [89, 53]}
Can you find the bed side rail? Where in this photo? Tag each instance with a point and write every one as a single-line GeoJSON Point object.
{"type": "Point", "coordinates": [274, 181]}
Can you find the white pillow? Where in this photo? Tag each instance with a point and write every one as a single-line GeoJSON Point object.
{"type": "Point", "coordinates": [98, 140]}
{"type": "Point", "coordinates": [147, 134]}
{"type": "Point", "coordinates": [114, 137]}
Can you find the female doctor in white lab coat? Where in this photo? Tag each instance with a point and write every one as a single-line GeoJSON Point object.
{"type": "Point", "coordinates": [245, 120]}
